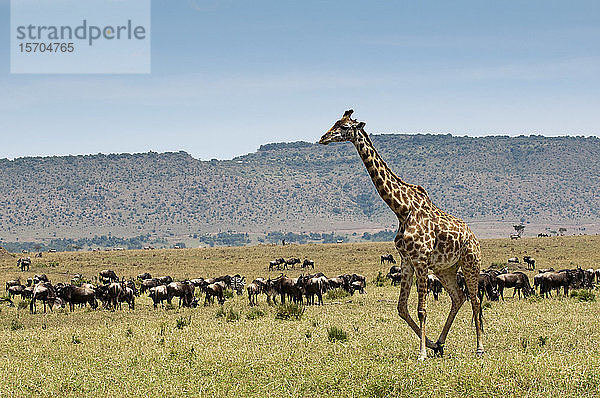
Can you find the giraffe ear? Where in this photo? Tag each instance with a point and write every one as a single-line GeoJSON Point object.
{"type": "Point", "coordinates": [349, 112]}
{"type": "Point", "coordinates": [360, 125]}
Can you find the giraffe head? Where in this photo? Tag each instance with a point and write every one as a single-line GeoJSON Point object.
{"type": "Point", "coordinates": [345, 129]}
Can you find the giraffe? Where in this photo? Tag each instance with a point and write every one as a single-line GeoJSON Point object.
{"type": "Point", "coordinates": [428, 239]}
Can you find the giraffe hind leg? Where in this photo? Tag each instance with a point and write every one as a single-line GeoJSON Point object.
{"type": "Point", "coordinates": [449, 282]}
{"type": "Point", "coordinates": [471, 271]}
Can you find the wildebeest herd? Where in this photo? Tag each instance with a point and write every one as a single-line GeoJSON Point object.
{"type": "Point", "coordinates": [492, 282]}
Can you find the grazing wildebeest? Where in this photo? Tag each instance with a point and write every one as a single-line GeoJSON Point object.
{"type": "Point", "coordinates": [308, 263]}
{"type": "Point", "coordinates": [395, 277]}
{"type": "Point", "coordinates": [113, 292]}
{"type": "Point", "coordinates": [357, 285]}
{"type": "Point", "coordinates": [77, 295]}
{"type": "Point", "coordinates": [42, 291]}
{"type": "Point", "coordinates": [147, 284]}
{"type": "Point", "coordinates": [530, 261]}
{"type": "Point", "coordinates": [108, 276]}
{"type": "Point", "coordinates": [291, 262]}
{"type": "Point", "coordinates": [144, 276]}
{"type": "Point", "coordinates": [214, 290]}
{"type": "Point", "coordinates": [165, 280]}
{"type": "Point", "coordinates": [15, 282]}
{"type": "Point", "coordinates": [23, 263]}
{"type": "Point", "coordinates": [158, 294]}
{"type": "Point", "coordinates": [518, 280]}
{"type": "Point", "coordinates": [335, 283]}
{"type": "Point", "coordinates": [389, 258]}
{"type": "Point", "coordinates": [555, 280]}
{"type": "Point", "coordinates": [434, 285]}
{"type": "Point", "coordinates": [183, 290]}
{"type": "Point", "coordinates": [395, 268]}
{"type": "Point", "coordinates": [275, 264]}
{"type": "Point", "coordinates": [588, 278]}
{"type": "Point", "coordinates": [287, 287]}
{"type": "Point", "coordinates": [15, 290]}
{"type": "Point", "coordinates": [253, 290]}
{"type": "Point", "coordinates": [198, 282]}
{"type": "Point", "coordinates": [486, 286]}
{"type": "Point", "coordinates": [131, 285]}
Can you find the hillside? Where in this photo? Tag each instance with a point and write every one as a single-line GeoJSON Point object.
{"type": "Point", "coordinates": [301, 187]}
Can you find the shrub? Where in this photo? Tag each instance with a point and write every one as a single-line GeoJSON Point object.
{"type": "Point", "coordinates": [232, 316]}
{"type": "Point", "coordinates": [336, 334]}
{"type": "Point", "coordinates": [23, 305]}
{"type": "Point", "coordinates": [169, 307]}
{"type": "Point", "coordinates": [75, 340]}
{"type": "Point", "coordinates": [129, 332]}
{"type": "Point", "coordinates": [228, 294]}
{"type": "Point", "coordinates": [220, 313]}
{"type": "Point", "coordinates": [337, 294]}
{"type": "Point", "coordinates": [583, 295]}
{"type": "Point", "coordinates": [255, 313]}
{"type": "Point", "coordinates": [16, 325]}
{"type": "Point", "coordinates": [289, 311]}
{"type": "Point", "coordinates": [183, 322]}
{"type": "Point", "coordinates": [380, 280]}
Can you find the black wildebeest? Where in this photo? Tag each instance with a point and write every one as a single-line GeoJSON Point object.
{"type": "Point", "coordinates": [77, 295]}
{"type": "Point", "coordinates": [275, 264]}
{"type": "Point", "coordinates": [389, 258]}
{"type": "Point", "coordinates": [530, 261]}
{"type": "Point", "coordinates": [357, 285]}
{"type": "Point", "coordinates": [518, 280]}
{"type": "Point", "coordinates": [127, 295]}
{"type": "Point", "coordinates": [165, 280]}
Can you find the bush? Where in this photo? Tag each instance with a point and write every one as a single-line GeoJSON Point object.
{"type": "Point", "coordinates": [220, 313]}
{"type": "Point", "coordinates": [289, 311]}
{"type": "Point", "coordinates": [228, 294]}
{"type": "Point", "coordinates": [380, 280]}
{"type": "Point", "coordinates": [23, 305]}
{"type": "Point", "coordinates": [336, 334]}
{"type": "Point", "coordinates": [16, 325]}
{"type": "Point", "coordinates": [232, 316]}
{"type": "Point", "coordinates": [337, 294]}
{"type": "Point", "coordinates": [75, 340]}
{"type": "Point", "coordinates": [583, 295]}
{"type": "Point", "coordinates": [255, 313]}
{"type": "Point", "coordinates": [183, 322]}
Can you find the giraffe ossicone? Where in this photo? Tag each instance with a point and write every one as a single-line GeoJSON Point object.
{"type": "Point", "coordinates": [428, 239]}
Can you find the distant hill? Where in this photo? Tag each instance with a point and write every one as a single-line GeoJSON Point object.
{"type": "Point", "coordinates": [298, 187]}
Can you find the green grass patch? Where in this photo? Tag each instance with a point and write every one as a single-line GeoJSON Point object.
{"type": "Point", "coordinates": [255, 313]}
{"type": "Point", "coordinates": [336, 334]}
{"type": "Point", "coordinates": [183, 322]}
{"type": "Point", "coordinates": [583, 295]}
{"type": "Point", "coordinates": [232, 316]}
{"type": "Point", "coordinates": [289, 311]}
{"type": "Point", "coordinates": [16, 325]}
{"type": "Point", "coordinates": [380, 280]}
{"type": "Point", "coordinates": [337, 294]}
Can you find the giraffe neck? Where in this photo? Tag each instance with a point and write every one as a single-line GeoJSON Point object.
{"type": "Point", "coordinates": [397, 194]}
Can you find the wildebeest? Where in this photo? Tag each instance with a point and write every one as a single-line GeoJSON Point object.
{"type": "Point", "coordinates": [40, 278]}
{"type": "Point", "coordinates": [290, 262]}
{"type": "Point", "coordinates": [165, 280]}
{"type": "Point", "coordinates": [15, 282]}
{"type": "Point", "coordinates": [485, 285]}
{"type": "Point", "coordinates": [214, 290]}
{"type": "Point", "coordinates": [514, 260]}
{"type": "Point", "coordinates": [43, 291]}
{"type": "Point", "coordinates": [357, 285]}
{"type": "Point", "coordinates": [311, 286]}
{"type": "Point", "coordinates": [597, 272]}
{"type": "Point", "coordinates": [588, 278]}
{"type": "Point", "coordinates": [389, 258]}
{"type": "Point", "coordinates": [147, 284]}
{"type": "Point", "coordinates": [77, 295]}
{"type": "Point", "coordinates": [530, 261]}
{"type": "Point", "coordinates": [434, 285]}
{"type": "Point", "coordinates": [276, 263]}
{"type": "Point", "coordinates": [144, 276]}
{"type": "Point", "coordinates": [127, 295]}
{"type": "Point", "coordinates": [308, 263]}
{"type": "Point", "coordinates": [183, 290]}
{"type": "Point", "coordinates": [15, 290]}
{"type": "Point", "coordinates": [24, 263]}
{"type": "Point", "coordinates": [108, 276]}
{"type": "Point", "coordinates": [555, 280]}
{"type": "Point", "coordinates": [158, 294]}
{"type": "Point", "coordinates": [131, 285]}
{"type": "Point", "coordinates": [518, 280]}
{"type": "Point", "coordinates": [253, 289]}
{"type": "Point", "coordinates": [396, 278]}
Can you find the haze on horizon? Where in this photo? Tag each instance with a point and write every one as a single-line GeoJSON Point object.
{"type": "Point", "coordinates": [228, 77]}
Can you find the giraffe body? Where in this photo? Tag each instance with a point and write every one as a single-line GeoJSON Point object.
{"type": "Point", "coordinates": [428, 239]}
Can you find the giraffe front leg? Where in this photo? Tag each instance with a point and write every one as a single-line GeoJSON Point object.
{"type": "Point", "coordinates": [471, 271]}
{"type": "Point", "coordinates": [405, 286]}
{"type": "Point", "coordinates": [422, 309]}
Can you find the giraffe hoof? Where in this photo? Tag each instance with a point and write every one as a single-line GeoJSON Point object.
{"type": "Point", "coordinates": [438, 351]}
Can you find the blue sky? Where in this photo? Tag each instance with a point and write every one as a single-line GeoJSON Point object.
{"type": "Point", "coordinates": [228, 76]}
